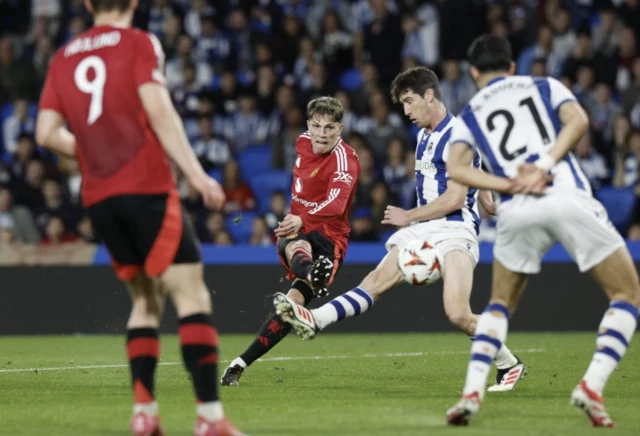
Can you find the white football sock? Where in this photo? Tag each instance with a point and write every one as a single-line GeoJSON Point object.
{"type": "Point", "coordinates": [615, 332]}
{"type": "Point", "coordinates": [505, 358]}
{"type": "Point", "coordinates": [150, 409]}
{"type": "Point", "coordinates": [211, 411]}
{"type": "Point", "coordinates": [353, 303]}
{"type": "Point", "coordinates": [491, 332]}
{"type": "Point", "coordinates": [238, 361]}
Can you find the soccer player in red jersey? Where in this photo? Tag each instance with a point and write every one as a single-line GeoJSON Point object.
{"type": "Point", "coordinates": [313, 237]}
{"type": "Point", "coordinates": [108, 86]}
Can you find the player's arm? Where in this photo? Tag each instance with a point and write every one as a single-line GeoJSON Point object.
{"type": "Point", "coordinates": [451, 200]}
{"type": "Point", "coordinates": [343, 181]}
{"type": "Point", "coordinates": [165, 121]}
{"type": "Point", "coordinates": [486, 201]}
{"type": "Point", "coordinates": [167, 125]}
{"type": "Point", "coordinates": [52, 134]}
{"type": "Point", "coordinates": [461, 170]}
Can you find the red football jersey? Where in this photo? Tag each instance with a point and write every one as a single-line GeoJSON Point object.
{"type": "Point", "coordinates": [93, 83]}
{"type": "Point", "coordinates": [323, 189]}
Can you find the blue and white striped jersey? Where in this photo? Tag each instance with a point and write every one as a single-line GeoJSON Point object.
{"type": "Point", "coordinates": [514, 120]}
{"type": "Point", "coordinates": [432, 154]}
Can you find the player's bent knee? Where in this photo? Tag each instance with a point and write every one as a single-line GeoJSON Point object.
{"type": "Point", "coordinates": [460, 318]}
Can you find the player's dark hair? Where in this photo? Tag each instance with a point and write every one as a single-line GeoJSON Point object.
{"type": "Point", "coordinates": [110, 5]}
{"type": "Point", "coordinates": [416, 79]}
{"type": "Point", "coordinates": [329, 107]}
{"type": "Point", "coordinates": [490, 54]}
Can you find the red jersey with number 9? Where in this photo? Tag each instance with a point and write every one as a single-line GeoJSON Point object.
{"type": "Point", "coordinates": [93, 83]}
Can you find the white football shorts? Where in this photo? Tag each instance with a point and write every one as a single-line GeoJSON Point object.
{"type": "Point", "coordinates": [529, 225]}
{"type": "Point", "coordinates": [445, 237]}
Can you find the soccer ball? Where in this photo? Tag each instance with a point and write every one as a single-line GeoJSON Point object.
{"type": "Point", "coordinates": [420, 263]}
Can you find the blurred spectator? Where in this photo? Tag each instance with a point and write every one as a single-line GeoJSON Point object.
{"type": "Point", "coordinates": [583, 88]}
{"type": "Point", "coordinates": [335, 44]}
{"type": "Point", "coordinates": [277, 210]}
{"type": "Point", "coordinates": [55, 232]}
{"type": "Point", "coordinates": [625, 158]}
{"type": "Point", "coordinates": [71, 169]}
{"type": "Point", "coordinates": [395, 172]}
{"type": "Point", "coordinates": [223, 237]}
{"type": "Point", "coordinates": [172, 31]}
{"type": "Point", "coordinates": [384, 129]}
{"type": "Point", "coordinates": [54, 205]}
{"type": "Point", "coordinates": [185, 95]}
{"type": "Point", "coordinates": [85, 231]}
{"type": "Point", "coordinates": [17, 76]}
{"type": "Point", "coordinates": [175, 67]}
{"type": "Point", "coordinates": [29, 192]}
{"type": "Point", "coordinates": [368, 176]}
{"type": "Point", "coordinates": [407, 196]}
{"type": "Point", "coordinates": [605, 32]}
{"type": "Point", "coordinates": [211, 151]}
{"type": "Point", "coordinates": [238, 193]}
{"type": "Point", "coordinates": [260, 234]}
{"type": "Point", "coordinates": [603, 112]}
{"type": "Point", "coordinates": [17, 220]}
{"type": "Point", "coordinates": [564, 37]}
{"type": "Point", "coordinates": [227, 95]}
{"type": "Point", "coordinates": [18, 124]}
{"type": "Point", "coordinates": [538, 68]}
{"type": "Point", "coordinates": [246, 126]}
{"type": "Point", "coordinates": [592, 163]}
{"type": "Point", "coordinates": [631, 97]}
{"type": "Point", "coordinates": [422, 39]}
{"type": "Point", "coordinates": [25, 151]}
{"type": "Point", "coordinates": [213, 46]}
{"type": "Point", "coordinates": [380, 199]}
{"type": "Point", "coordinates": [542, 49]}
{"type": "Point", "coordinates": [284, 147]}
{"type": "Point", "coordinates": [214, 224]}
{"type": "Point", "coordinates": [581, 55]}
{"type": "Point", "coordinates": [456, 88]}
{"type": "Point", "coordinates": [382, 40]}
{"type": "Point", "coordinates": [362, 227]}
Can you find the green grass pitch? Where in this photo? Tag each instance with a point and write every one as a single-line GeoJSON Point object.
{"type": "Point", "coordinates": [380, 384]}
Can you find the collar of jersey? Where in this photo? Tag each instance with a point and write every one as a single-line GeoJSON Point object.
{"type": "Point", "coordinates": [495, 80]}
{"type": "Point", "coordinates": [442, 123]}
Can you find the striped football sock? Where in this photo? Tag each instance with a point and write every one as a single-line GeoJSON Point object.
{"type": "Point", "coordinates": [353, 303]}
{"type": "Point", "coordinates": [615, 332]}
{"type": "Point", "coordinates": [491, 333]}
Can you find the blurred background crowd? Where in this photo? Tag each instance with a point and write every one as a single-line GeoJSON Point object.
{"type": "Point", "coordinates": [241, 72]}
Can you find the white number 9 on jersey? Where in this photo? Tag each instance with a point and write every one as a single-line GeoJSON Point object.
{"type": "Point", "coordinates": [94, 87]}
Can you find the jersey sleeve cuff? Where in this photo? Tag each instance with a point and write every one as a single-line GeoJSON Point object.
{"type": "Point", "coordinates": [472, 146]}
{"type": "Point", "coordinates": [566, 100]}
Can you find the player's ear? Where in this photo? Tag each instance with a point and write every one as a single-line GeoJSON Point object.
{"type": "Point", "coordinates": [475, 74]}
{"type": "Point", "coordinates": [88, 6]}
{"type": "Point", "coordinates": [512, 68]}
{"type": "Point", "coordinates": [308, 124]}
{"type": "Point", "coordinates": [340, 128]}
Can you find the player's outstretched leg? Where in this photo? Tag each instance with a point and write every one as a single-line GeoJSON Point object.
{"type": "Point", "coordinates": [618, 278]}
{"type": "Point", "coordinates": [457, 275]}
{"type": "Point", "coordinates": [491, 333]}
{"type": "Point", "coordinates": [143, 350]}
{"type": "Point", "coordinates": [269, 335]}
{"type": "Point", "coordinates": [307, 323]}
{"type": "Point", "coordinates": [199, 344]}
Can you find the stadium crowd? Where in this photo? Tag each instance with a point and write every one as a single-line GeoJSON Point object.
{"type": "Point", "coordinates": [241, 72]}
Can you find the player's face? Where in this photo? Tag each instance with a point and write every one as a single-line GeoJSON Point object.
{"type": "Point", "coordinates": [324, 134]}
{"type": "Point", "coordinates": [418, 108]}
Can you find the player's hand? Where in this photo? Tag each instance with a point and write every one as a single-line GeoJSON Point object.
{"type": "Point", "coordinates": [396, 216]}
{"type": "Point", "coordinates": [531, 180]}
{"type": "Point", "coordinates": [212, 194]}
{"type": "Point", "coordinates": [288, 226]}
